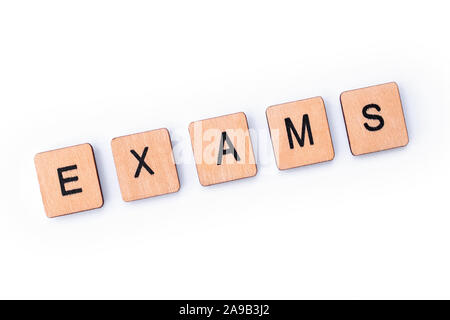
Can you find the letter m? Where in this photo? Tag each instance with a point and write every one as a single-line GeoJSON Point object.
{"type": "Point", "coordinates": [290, 129]}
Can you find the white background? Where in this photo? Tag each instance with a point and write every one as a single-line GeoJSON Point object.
{"type": "Point", "coordinates": [374, 226]}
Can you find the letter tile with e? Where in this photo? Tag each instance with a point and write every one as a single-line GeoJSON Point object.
{"type": "Point", "coordinates": [145, 165]}
{"type": "Point", "coordinates": [300, 133]}
{"type": "Point", "coordinates": [68, 180]}
{"type": "Point", "coordinates": [222, 149]}
{"type": "Point", "coordinates": [374, 118]}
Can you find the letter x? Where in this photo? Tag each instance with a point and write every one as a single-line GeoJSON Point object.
{"type": "Point", "coordinates": [142, 163]}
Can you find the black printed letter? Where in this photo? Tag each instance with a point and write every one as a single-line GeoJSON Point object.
{"type": "Point", "coordinates": [63, 181]}
{"type": "Point", "coordinates": [305, 126]}
{"type": "Point", "coordinates": [231, 148]}
{"type": "Point", "coordinates": [373, 117]}
{"type": "Point", "coordinates": [142, 163]}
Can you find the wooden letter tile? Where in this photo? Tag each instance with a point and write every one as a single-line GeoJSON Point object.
{"type": "Point", "coordinates": [145, 164]}
{"type": "Point", "coordinates": [300, 133]}
{"type": "Point", "coordinates": [374, 118]}
{"type": "Point", "coordinates": [68, 180]}
{"type": "Point", "coordinates": [222, 149]}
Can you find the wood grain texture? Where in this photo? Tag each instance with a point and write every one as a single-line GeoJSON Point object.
{"type": "Point", "coordinates": [393, 133]}
{"type": "Point", "coordinates": [89, 194]}
{"type": "Point", "coordinates": [160, 161]}
{"type": "Point", "coordinates": [206, 138]}
{"type": "Point", "coordinates": [320, 149]}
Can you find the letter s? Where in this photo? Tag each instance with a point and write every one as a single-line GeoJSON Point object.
{"type": "Point", "coordinates": [373, 117]}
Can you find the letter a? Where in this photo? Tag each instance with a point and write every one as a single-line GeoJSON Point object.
{"type": "Point", "coordinates": [230, 149]}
